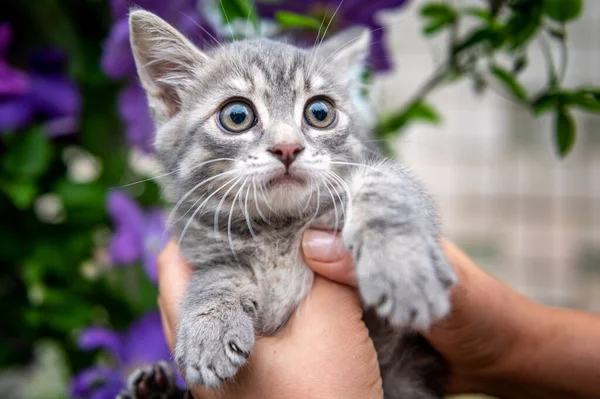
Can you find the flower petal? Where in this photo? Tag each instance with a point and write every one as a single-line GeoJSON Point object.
{"type": "Point", "coordinates": [133, 108]}
{"type": "Point", "coordinates": [61, 126]}
{"type": "Point", "coordinates": [15, 113]}
{"type": "Point", "coordinates": [55, 95]}
{"type": "Point", "coordinates": [117, 59]}
{"type": "Point", "coordinates": [93, 338]}
{"type": "Point", "coordinates": [379, 57]}
{"type": "Point", "coordinates": [49, 60]}
{"type": "Point", "coordinates": [119, 8]}
{"type": "Point", "coordinates": [127, 243]}
{"type": "Point", "coordinates": [12, 81]}
{"type": "Point", "coordinates": [108, 391]}
{"type": "Point", "coordinates": [144, 342]}
{"type": "Point", "coordinates": [96, 380]}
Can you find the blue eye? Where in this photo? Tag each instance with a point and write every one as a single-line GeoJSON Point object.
{"type": "Point", "coordinates": [236, 117]}
{"type": "Point", "coordinates": [319, 113]}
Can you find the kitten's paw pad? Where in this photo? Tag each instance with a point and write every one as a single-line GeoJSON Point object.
{"type": "Point", "coordinates": [212, 349]}
{"type": "Point", "coordinates": [152, 382]}
{"type": "Point", "coordinates": [404, 276]}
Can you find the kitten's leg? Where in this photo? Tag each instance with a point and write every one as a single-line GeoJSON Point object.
{"type": "Point", "coordinates": [216, 332]}
{"type": "Point", "coordinates": [153, 382]}
{"type": "Point", "coordinates": [393, 234]}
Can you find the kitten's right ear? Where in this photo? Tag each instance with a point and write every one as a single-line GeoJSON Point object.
{"type": "Point", "coordinates": [166, 62]}
{"type": "Point", "coordinates": [348, 50]}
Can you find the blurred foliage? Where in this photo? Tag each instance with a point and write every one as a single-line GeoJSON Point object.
{"type": "Point", "coordinates": [494, 52]}
{"type": "Point", "coordinates": [53, 281]}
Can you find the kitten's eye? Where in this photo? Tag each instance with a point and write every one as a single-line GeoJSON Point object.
{"type": "Point", "coordinates": [236, 117]}
{"type": "Point", "coordinates": [319, 113]}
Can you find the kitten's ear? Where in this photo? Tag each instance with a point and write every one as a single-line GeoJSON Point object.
{"type": "Point", "coordinates": [347, 49]}
{"type": "Point", "coordinates": [166, 61]}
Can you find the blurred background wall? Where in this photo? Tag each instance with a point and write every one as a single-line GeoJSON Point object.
{"type": "Point", "coordinates": [526, 216]}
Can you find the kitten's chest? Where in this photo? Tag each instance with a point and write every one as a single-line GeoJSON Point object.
{"type": "Point", "coordinates": [283, 280]}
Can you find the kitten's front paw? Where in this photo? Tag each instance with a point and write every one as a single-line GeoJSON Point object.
{"type": "Point", "coordinates": [213, 345]}
{"type": "Point", "coordinates": [152, 382]}
{"type": "Point", "coordinates": [401, 272]}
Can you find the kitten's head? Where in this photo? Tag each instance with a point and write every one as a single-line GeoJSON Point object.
{"type": "Point", "coordinates": [258, 120]}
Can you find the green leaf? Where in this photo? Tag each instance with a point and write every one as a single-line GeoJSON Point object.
{"type": "Point", "coordinates": [418, 111]}
{"type": "Point", "coordinates": [21, 193]}
{"type": "Point", "coordinates": [438, 16]}
{"type": "Point", "coordinates": [563, 10]}
{"type": "Point", "coordinates": [436, 10]}
{"type": "Point", "coordinates": [546, 101]}
{"type": "Point", "coordinates": [520, 64]}
{"type": "Point", "coordinates": [83, 203]}
{"type": "Point", "coordinates": [476, 37]}
{"type": "Point", "coordinates": [30, 156]}
{"type": "Point", "coordinates": [523, 25]}
{"type": "Point", "coordinates": [586, 99]}
{"type": "Point", "coordinates": [435, 26]}
{"type": "Point", "coordinates": [495, 6]}
{"type": "Point", "coordinates": [564, 131]}
{"type": "Point", "coordinates": [509, 82]}
{"type": "Point", "coordinates": [292, 20]}
{"type": "Point", "coordinates": [480, 13]}
{"type": "Point", "coordinates": [247, 8]}
{"type": "Point", "coordinates": [558, 34]}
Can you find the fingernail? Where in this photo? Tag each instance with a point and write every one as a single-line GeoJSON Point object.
{"type": "Point", "coordinates": [322, 246]}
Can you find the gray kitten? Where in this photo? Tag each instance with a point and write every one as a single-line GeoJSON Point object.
{"type": "Point", "coordinates": [261, 140]}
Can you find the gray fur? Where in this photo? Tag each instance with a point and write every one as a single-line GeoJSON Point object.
{"type": "Point", "coordinates": [242, 235]}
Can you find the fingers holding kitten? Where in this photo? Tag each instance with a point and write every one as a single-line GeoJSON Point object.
{"type": "Point", "coordinates": [173, 275]}
{"type": "Point", "coordinates": [326, 255]}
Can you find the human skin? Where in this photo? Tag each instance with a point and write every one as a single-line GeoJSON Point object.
{"type": "Point", "coordinates": [495, 340]}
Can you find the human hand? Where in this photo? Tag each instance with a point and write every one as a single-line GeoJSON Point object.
{"type": "Point", "coordinates": [324, 350]}
{"type": "Point", "coordinates": [477, 339]}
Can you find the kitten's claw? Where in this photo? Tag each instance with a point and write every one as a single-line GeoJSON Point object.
{"type": "Point", "coordinates": [402, 274]}
{"type": "Point", "coordinates": [212, 348]}
{"type": "Point", "coordinates": [152, 382]}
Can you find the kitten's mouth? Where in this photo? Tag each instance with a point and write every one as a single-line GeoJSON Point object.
{"type": "Point", "coordinates": [285, 179]}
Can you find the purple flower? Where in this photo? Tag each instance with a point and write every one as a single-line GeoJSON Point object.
{"type": "Point", "coordinates": [350, 13]}
{"type": "Point", "coordinates": [133, 109]}
{"type": "Point", "coordinates": [44, 92]}
{"type": "Point", "coordinates": [12, 81]}
{"type": "Point", "coordinates": [138, 235]}
{"type": "Point", "coordinates": [142, 344]}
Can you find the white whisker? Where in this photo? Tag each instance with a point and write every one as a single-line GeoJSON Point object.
{"type": "Point", "coordinates": [229, 236]}
{"type": "Point", "coordinates": [309, 198]}
{"type": "Point", "coordinates": [227, 19]}
{"type": "Point", "coordinates": [247, 214]}
{"type": "Point", "coordinates": [150, 178]}
{"type": "Point", "coordinates": [258, 207]}
{"type": "Point", "coordinates": [204, 30]}
{"type": "Point", "coordinates": [335, 211]}
{"type": "Point", "coordinates": [325, 33]}
{"type": "Point", "coordinates": [333, 187]}
{"type": "Point", "coordinates": [216, 224]}
{"type": "Point", "coordinates": [190, 192]}
{"type": "Point", "coordinates": [344, 185]}
{"type": "Point", "coordinates": [187, 225]}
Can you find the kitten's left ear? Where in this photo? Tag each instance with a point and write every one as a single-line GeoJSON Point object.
{"type": "Point", "coordinates": [348, 49]}
{"type": "Point", "coordinates": [166, 62]}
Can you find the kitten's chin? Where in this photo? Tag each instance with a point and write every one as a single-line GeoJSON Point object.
{"type": "Point", "coordinates": [287, 194]}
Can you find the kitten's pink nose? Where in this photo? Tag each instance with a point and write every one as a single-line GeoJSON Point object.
{"type": "Point", "coordinates": [286, 153]}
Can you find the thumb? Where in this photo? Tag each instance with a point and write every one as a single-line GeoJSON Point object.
{"type": "Point", "coordinates": [326, 255]}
